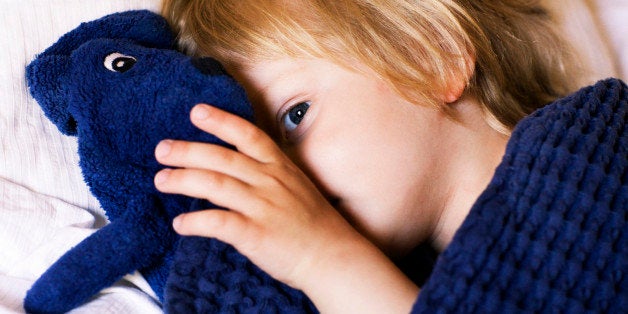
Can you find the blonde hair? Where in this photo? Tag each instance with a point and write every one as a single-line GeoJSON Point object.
{"type": "Point", "coordinates": [506, 52]}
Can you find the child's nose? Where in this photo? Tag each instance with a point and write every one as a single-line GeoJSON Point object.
{"type": "Point", "coordinates": [208, 66]}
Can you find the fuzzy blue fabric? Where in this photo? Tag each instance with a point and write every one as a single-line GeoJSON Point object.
{"type": "Point", "coordinates": [120, 87]}
{"type": "Point", "coordinates": [550, 232]}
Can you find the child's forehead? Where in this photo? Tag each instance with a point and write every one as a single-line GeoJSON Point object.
{"type": "Point", "coordinates": [266, 81]}
{"type": "Point", "coordinates": [264, 74]}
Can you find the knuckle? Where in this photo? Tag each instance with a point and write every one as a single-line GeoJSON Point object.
{"type": "Point", "coordinates": [218, 221]}
{"type": "Point", "coordinates": [287, 168]}
{"type": "Point", "coordinates": [273, 181]}
{"type": "Point", "coordinates": [251, 134]}
{"type": "Point", "coordinates": [265, 207]}
{"type": "Point", "coordinates": [218, 181]}
{"type": "Point", "coordinates": [226, 155]}
{"type": "Point", "coordinates": [282, 172]}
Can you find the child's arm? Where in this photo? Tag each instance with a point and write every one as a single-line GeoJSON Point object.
{"type": "Point", "coordinates": [278, 219]}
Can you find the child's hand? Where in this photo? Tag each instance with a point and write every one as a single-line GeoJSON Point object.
{"type": "Point", "coordinates": [277, 217]}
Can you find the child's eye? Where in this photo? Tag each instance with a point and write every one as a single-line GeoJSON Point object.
{"type": "Point", "coordinates": [293, 116]}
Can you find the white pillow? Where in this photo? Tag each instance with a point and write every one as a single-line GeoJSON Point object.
{"type": "Point", "coordinates": [581, 28]}
{"type": "Point", "coordinates": [34, 153]}
{"type": "Point", "coordinates": [612, 15]}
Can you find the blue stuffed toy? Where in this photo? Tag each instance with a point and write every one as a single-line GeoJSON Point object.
{"type": "Point", "coordinates": [120, 87]}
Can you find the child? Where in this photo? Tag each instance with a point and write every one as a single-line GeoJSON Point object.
{"type": "Point", "coordinates": [382, 125]}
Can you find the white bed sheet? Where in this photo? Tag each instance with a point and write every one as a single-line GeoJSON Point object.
{"type": "Point", "coordinates": [35, 233]}
{"type": "Point", "coordinates": [45, 208]}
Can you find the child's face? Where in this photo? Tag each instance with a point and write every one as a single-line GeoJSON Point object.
{"type": "Point", "coordinates": [366, 147]}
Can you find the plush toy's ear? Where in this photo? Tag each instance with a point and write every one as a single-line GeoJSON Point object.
{"type": "Point", "coordinates": [45, 77]}
{"type": "Point", "coordinates": [141, 26]}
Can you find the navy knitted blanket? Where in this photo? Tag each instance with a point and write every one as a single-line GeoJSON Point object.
{"type": "Point", "coordinates": [550, 232]}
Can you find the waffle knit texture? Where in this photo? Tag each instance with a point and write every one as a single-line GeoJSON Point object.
{"type": "Point", "coordinates": [550, 232]}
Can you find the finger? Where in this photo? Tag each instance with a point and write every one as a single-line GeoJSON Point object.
{"type": "Point", "coordinates": [245, 136]}
{"type": "Point", "coordinates": [226, 226]}
{"type": "Point", "coordinates": [206, 156]}
{"type": "Point", "coordinates": [218, 188]}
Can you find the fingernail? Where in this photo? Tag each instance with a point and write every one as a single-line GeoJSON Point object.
{"type": "Point", "coordinates": [162, 176]}
{"type": "Point", "coordinates": [163, 148]}
{"type": "Point", "coordinates": [200, 112]}
{"type": "Point", "coordinates": [176, 222]}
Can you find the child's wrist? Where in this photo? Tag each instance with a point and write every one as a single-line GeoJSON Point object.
{"type": "Point", "coordinates": [350, 275]}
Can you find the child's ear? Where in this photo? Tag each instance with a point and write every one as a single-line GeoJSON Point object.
{"type": "Point", "coordinates": [45, 77]}
{"type": "Point", "coordinates": [457, 85]}
{"type": "Point", "coordinates": [454, 92]}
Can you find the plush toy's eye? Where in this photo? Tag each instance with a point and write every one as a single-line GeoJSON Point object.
{"type": "Point", "coordinates": [118, 62]}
